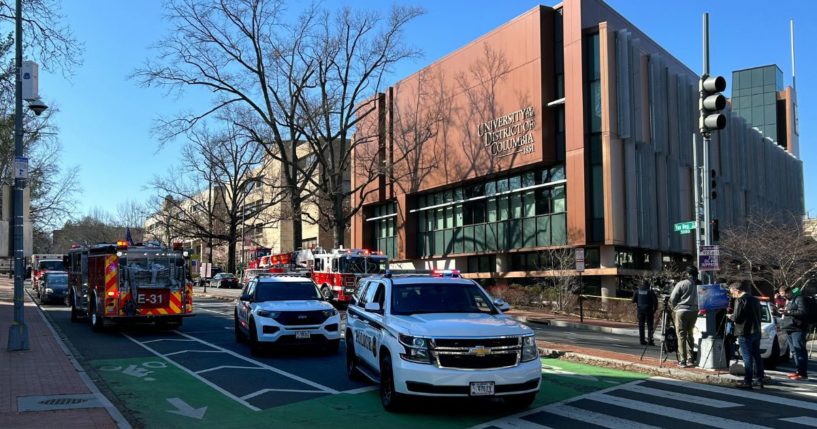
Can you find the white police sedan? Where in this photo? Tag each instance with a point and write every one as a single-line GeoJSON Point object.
{"type": "Point", "coordinates": [285, 311]}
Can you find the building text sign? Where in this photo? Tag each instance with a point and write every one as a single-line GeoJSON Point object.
{"type": "Point", "coordinates": [509, 134]}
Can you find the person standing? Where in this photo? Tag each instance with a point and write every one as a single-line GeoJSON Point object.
{"type": "Point", "coordinates": [684, 303]}
{"type": "Point", "coordinates": [795, 325]}
{"type": "Point", "coordinates": [646, 304]}
{"type": "Point", "coordinates": [747, 329]}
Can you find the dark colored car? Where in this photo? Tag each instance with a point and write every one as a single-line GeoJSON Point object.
{"type": "Point", "coordinates": [224, 280]}
{"type": "Point", "coordinates": [53, 287]}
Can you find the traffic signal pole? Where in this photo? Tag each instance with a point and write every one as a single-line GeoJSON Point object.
{"type": "Point", "coordinates": [707, 136]}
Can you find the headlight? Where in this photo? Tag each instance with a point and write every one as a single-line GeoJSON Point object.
{"type": "Point", "coordinates": [265, 313]}
{"type": "Point", "coordinates": [529, 349]}
{"type": "Point", "coordinates": [329, 313]}
{"type": "Point", "coordinates": [417, 349]}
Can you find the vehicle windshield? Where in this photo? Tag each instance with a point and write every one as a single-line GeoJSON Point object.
{"type": "Point", "coordinates": [154, 270]}
{"type": "Point", "coordinates": [50, 265]}
{"type": "Point", "coordinates": [57, 281]}
{"type": "Point", "coordinates": [439, 298]}
{"type": "Point", "coordinates": [364, 264]}
{"type": "Point", "coordinates": [226, 276]}
{"type": "Point", "coordinates": [286, 291]}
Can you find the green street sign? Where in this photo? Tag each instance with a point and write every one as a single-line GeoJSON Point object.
{"type": "Point", "coordinates": [684, 227]}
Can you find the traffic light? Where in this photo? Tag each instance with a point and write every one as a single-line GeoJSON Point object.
{"type": "Point", "coordinates": [713, 184]}
{"type": "Point", "coordinates": [711, 103]}
{"type": "Point", "coordinates": [716, 236]}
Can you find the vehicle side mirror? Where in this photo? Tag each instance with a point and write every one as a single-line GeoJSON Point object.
{"type": "Point", "coordinates": [501, 305]}
{"type": "Point", "coordinates": [374, 307]}
{"type": "Point", "coordinates": [246, 297]}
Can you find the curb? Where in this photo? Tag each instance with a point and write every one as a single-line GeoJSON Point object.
{"type": "Point", "coordinates": [219, 297]}
{"type": "Point", "coordinates": [722, 379]}
{"type": "Point", "coordinates": [582, 326]}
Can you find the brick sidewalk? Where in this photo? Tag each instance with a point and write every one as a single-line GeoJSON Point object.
{"type": "Point", "coordinates": [45, 369]}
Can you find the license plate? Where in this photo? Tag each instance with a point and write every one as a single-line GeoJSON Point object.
{"type": "Point", "coordinates": [302, 335]}
{"type": "Point", "coordinates": [482, 388]}
{"type": "Point", "coordinates": [152, 299]}
{"type": "Point", "coordinates": [349, 290]}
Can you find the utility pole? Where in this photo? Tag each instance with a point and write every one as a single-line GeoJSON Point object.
{"type": "Point", "coordinates": [18, 331]}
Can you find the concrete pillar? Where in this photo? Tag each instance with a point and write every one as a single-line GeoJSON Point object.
{"type": "Point", "coordinates": [607, 256]}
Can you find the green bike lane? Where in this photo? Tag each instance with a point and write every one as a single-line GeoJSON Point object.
{"type": "Point", "coordinates": [158, 394]}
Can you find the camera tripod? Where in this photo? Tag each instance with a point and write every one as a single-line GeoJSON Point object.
{"type": "Point", "coordinates": [669, 338]}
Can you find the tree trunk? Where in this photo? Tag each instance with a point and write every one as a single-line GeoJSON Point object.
{"type": "Point", "coordinates": [297, 223]}
{"type": "Point", "coordinates": [231, 245]}
{"type": "Point", "coordinates": [340, 221]}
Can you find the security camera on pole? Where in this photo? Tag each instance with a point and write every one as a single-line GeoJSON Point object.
{"type": "Point", "coordinates": [711, 102]}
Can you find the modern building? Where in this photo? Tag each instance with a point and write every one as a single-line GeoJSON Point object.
{"type": "Point", "coordinates": [566, 127]}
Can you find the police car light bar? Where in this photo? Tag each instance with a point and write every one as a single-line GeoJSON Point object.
{"type": "Point", "coordinates": [445, 273]}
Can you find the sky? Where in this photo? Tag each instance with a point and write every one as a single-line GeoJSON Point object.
{"type": "Point", "coordinates": [105, 118]}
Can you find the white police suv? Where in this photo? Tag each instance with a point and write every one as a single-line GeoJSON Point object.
{"type": "Point", "coordinates": [285, 310]}
{"type": "Point", "coordinates": [437, 337]}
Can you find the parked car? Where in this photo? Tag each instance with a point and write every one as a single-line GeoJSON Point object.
{"type": "Point", "coordinates": [774, 346]}
{"type": "Point", "coordinates": [285, 310]}
{"type": "Point", "coordinates": [53, 287]}
{"type": "Point", "coordinates": [224, 280]}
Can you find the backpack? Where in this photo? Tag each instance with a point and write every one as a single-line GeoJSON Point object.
{"type": "Point", "coordinates": [670, 340]}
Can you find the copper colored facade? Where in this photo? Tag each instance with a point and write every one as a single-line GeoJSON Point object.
{"type": "Point", "coordinates": [565, 127]}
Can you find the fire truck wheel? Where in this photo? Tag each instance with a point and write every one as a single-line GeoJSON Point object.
{"type": "Point", "coordinates": [327, 293]}
{"type": "Point", "coordinates": [97, 320]}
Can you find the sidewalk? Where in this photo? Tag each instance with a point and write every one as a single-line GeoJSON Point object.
{"type": "Point", "coordinates": [44, 386]}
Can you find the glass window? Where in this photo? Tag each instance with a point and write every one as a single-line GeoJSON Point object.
{"type": "Point", "coordinates": [501, 236]}
{"type": "Point", "coordinates": [490, 237]}
{"type": "Point", "coordinates": [458, 242]}
{"type": "Point", "coordinates": [448, 240]}
{"type": "Point", "coordinates": [558, 194]}
{"type": "Point", "coordinates": [528, 179]}
{"type": "Point", "coordinates": [770, 113]}
{"type": "Point", "coordinates": [769, 98]}
{"type": "Point", "coordinates": [516, 206]}
{"type": "Point", "coordinates": [502, 202]}
{"type": "Point", "coordinates": [458, 215]}
{"type": "Point", "coordinates": [448, 196]}
{"type": "Point", "coordinates": [529, 203]}
{"type": "Point", "coordinates": [529, 232]}
{"type": "Point", "coordinates": [449, 217]}
{"type": "Point", "coordinates": [595, 106]}
{"type": "Point", "coordinates": [543, 201]}
{"type": "Point", "coordinates": [468, 239]}
{"type": "Point", "coordinates": [514, 183]}
{"type": "Point", "coordinates": [757, 77]}
{"type": "Point", "coordinates": [492, 214]}
{"type": "Point", "coordinates": [421, 221]}
{"type": "Point", "coordinates": [440, 219]}
{"type": "Point", "coordinates": [479, 238]}
{"type": "Point", "coordinates": [757, 115]}
{"type": "Point", "coordinates": [543, 231]}
{"type": "Point", "coordinates": [502, 185]}
{"type": "Point", "coordinates": [439, 243]}
{"type": "Point", "coordinates": [490, 188]}
{"type": "Point", "coordinates": [515, 233]}
{"type": "Point", "coordinates": [458, 194]}
{"type": "Point", "coordinates": [479, 211]}
{"type": "Point", "coordinates": [769, 76]}
{"type": "Point", "coordinates": [557, 173]}
{"type": "Point", "coordinates": [558, 229]}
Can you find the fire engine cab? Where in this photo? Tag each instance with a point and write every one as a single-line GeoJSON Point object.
{"type": "Point", "coordinates": [117, 282]}
{"type": "Point", "coordinates": [336, 272]}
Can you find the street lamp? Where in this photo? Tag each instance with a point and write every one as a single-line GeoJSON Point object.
{"type": "Point", "coordinates": [18, 331]}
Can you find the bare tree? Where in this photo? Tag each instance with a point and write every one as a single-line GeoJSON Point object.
{"type": "Point", "coordinates": [770, 252]}
{"type": "Point", "coordinates": [229, 168]}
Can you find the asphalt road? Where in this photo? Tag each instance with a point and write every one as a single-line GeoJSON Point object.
{"type": "Point", "coordinates": [200, 376]}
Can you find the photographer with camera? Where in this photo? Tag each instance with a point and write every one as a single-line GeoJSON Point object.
{"type": "Point", "coordinates": [684, 303]}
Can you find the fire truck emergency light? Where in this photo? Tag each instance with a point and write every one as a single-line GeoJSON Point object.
{"type": "Point", "coordinates": [122, 244]}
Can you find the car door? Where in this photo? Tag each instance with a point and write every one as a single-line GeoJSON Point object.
{"type": "Point", "coordinates": [245, 305]}
{"type": "Point", "coordinates": [371, 332]}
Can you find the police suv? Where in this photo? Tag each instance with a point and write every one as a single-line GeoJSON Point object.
{"type": "Point", "coordinates": [285, 310]}
{"type": "Point", "coordinates": [438, 336]}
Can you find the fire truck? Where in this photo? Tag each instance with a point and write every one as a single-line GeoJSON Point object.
{"type": "Point", "coordinates": [118, 283]}
{"type": "Point", "coordinates": [337, 271]}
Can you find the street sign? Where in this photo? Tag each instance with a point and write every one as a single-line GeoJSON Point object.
{"type": "Point", "coordinates": [686, 231]}
{"type": "Point", "coordinates": [21, 167]}
{"type": "Point", "coordinates": [709, 258]}
{"type": "Point", "coordinates": [685, 227]}
{"type": "Point", "coordinates": [579, 259]}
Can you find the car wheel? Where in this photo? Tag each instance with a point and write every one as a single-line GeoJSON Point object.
{"type": "Point", "coordinates": [326, 293]}
{"type": "Point", "coordinates": [255, 345]}
{"type": "Point", "coordinates": [522, 401]}
{"type": "Point", "coordinates": [771, 361]}
{"type": "Point", "coordinates": [97, 320]}
{"type": "Point", "coordinates": [389, 398]}
{"type": "Point", "coordinates": [351, 359]}
{"type": "Point", "coordinates": [239, 335]}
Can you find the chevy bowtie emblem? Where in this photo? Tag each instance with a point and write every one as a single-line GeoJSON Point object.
{"type": "Point", "coordinates": [479, 351]}
{"type": "Point", "coordinates": [302, 316]}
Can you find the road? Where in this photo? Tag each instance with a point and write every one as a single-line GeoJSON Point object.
{"type": "Point", "coordinates": [200, 376]}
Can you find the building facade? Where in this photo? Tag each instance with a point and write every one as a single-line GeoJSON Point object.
{"type": "Point", "coordinates": [565, 127]}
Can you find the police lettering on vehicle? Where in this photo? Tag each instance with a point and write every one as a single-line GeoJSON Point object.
{"type": "Point", "coordinates": [366, 341]}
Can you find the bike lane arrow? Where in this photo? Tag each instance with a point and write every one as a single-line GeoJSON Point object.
{"type": "Point", "coordinates": [184, 409]}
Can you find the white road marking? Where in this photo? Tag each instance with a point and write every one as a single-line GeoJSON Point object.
{"type": "Point", "coordinates": [198, 377]}
{"type": "Point", "coordinates": [263, 391]}
{"type": "Point", "coordinates": [661, 410]}
{"type": "Point", "coordinates": [360, 390]}
{"type": "Point", "coordinates": [271, 368]}
{"type": "Point", "coordinates": [519, 424]}
{"type": "Point", "coordinates": [741, 394]}
{"type": "Point", "coordinates": [227, 367]}
{"type": "Point", "coordinates": [191, 351]}
{"type": "Point", "coordinates": [184, 409]}
{"type": "Point", "coordinates": [165, 339]}
{"type": "Point", "coordinates": [805, 421]}
{"type": "Point", "coordinates": [595, 418]}
{"type": "Point", "coordinates": [675, 396]}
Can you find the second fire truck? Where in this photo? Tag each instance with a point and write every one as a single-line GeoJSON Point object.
{"type": "Point", "coordinates": [117, 282]}
{"type": "Point", "coordinates": [336, 272]}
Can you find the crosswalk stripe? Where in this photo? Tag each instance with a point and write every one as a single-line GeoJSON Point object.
{"type": "Point", "coordinates": [661, 410]}
{"type": "Point", "coordinates": [805, 421]}
{"type": "Point", "coordinates": [683, 397]}
{"type": "Point", "coordinates": [517, 424]}
{"type": "Point", "coordinates": [595, 418]}
{"type": "Point", "coordinates": [738, 393]}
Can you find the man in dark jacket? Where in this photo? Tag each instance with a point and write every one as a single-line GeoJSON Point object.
{"type": "Point", "coordinates": [646, 303]}
{"type": "Point", "coordinates": [795, 324]}
{"type": "Point", "coordinates": [747, 329]}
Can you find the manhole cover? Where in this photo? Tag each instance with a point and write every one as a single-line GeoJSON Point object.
{"type": "Point", "coordinates": [56, 402]}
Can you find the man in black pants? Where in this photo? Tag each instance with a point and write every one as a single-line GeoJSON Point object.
{"type": "Point", "coordinates": [647, 303]}
{"type": "Point", "coordinates": [747, 315]}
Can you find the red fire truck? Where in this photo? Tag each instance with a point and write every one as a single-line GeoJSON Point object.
{"type": "Point", "coordinates": [117, 282]}
{"type": "Point", "coordinates": [336, 272]}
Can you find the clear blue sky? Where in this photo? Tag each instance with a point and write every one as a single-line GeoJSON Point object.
{"type": "Point", "coordinates": [105, 119]}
